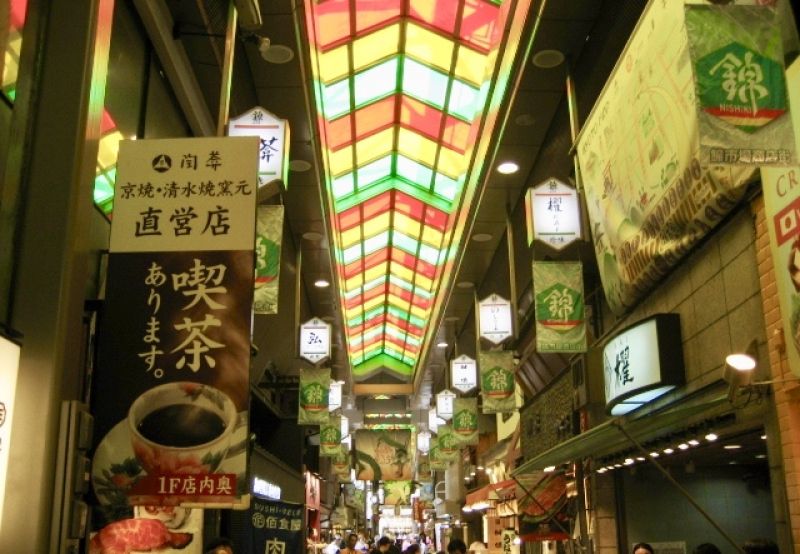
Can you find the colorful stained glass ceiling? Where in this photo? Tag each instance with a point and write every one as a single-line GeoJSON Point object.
{"type": "Point", "coordinates": [406, 98]}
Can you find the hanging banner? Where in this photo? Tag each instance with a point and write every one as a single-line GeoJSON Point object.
{"type": "Point", "coordinates": [737, 54]}
{"type": "Point", "coordinates": [330, 436]}
{"type": "Point", "coordinates": [383, 455]}
{"type": "Point", "coordinates": [171, 388]}
{"type": "Point", "coordinates": [340, 461]}
{"type": "Point", "coordinates": [397, 492]}
{"type": "Point", "coordinates": [435, 460]}
{"type": "Point", "coordinates": [449, 445]}
{"type": "Point", "coordinates": [423, 469]}
{"type": "Point", "coordinates": [465, 420]}
{"type": "Point", "coordinates": [649, 197]}
{"type": "Point", "coordinates": [275, 527]}
{"type": "Point", "coordinates": [782, 208]}
{"type": "Point", "coordinates": [269, 236]}
{"type": "Point", "coordinates": [558, 293]}
{"type": "Point", "coordinates": [314, 387]}
{"type": "Point", "coordinates": [497, 381]}
{"type": "Point", "coordinates": [463, 374]}
{"type": "Point", "coordinates": [273, 137]}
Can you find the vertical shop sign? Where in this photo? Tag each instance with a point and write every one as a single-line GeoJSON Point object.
{"type": "Point", "coordinates": [497, 381]}
{"type": "Point", "coordinates": [269, 236]}
{"type": "Point", "coordinates": [463, 374]}
{"type": "Point", "coordinates": [340, 461]}
{"type": "Point", "coordinates": [315, 340]}
{"type": "Point", "coordinates": [172, 381]}
{"type": "Point", "coordinates": [275, 528]}
{"type": "Point", "coordinates": [313, 393]}
{"type": "Point", "coordinates": [494, 314]}
{"type": "Point", "coordinates": [330, 436]}
{"type": "Point", "coordinates": [273, 142]}
{"type": "Point", "coordinates": [782, 209]}
{"type": "Point", "coordinates": [9, 368]}
{"type": "Point", "coordinates": [444, 404]}
{"type": "Point", "coordinates": [553, 214]}
{"type": "Point", "coordinates": [465, 420]}
{"type": "Point", "coordinates": [737, 54]}
{"type": "Point", "coordinates": [449, 446]}
{"type": "Point", "coordinates": [558, 293]}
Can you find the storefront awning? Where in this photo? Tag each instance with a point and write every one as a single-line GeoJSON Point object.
{"type": "Point", "coordinates": [608, 438]}
{"type": "Point", "coordinates": [503, 490]}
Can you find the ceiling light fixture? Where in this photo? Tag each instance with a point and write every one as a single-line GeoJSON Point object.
{"type": "Point", "coordinates": [732, 446]}
{"type": "Point", "coordinates": [711, 437]}
{"type": "Point", "coordinates": [549, 469]}
{"type": "Point", "coordinates": [277, 53]}
{"type": "Point", "coordinates": [525, 120]}
{"type": "Point", "coordinates": [481, 237]}
{"type": "Point", "coordinates": [507, 168]}
{"type": "Point", "coordinates": [465, 284]}
{"type": "Point", "coordinates": [322, 283]}
{"type": "Point", "coordinates": [547, 59]}
{"type": "Point", "coordinates": [299, 165]}
{"type": "Point", "coordinates": [668, 451]}
{"type": "Point", "coordinates": [312, 235]}
{"type": "Point", "coordinates": [683, 446]}
{"type": "Point", "coordinates": [693, 442]}
{"type": "Point", "coordinates": [441, 344]}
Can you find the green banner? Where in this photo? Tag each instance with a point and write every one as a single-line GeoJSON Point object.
{"type": "Point", "coordinates": [269, 235]}
{"type": "Point", "coordinates": [384, 455]}
{"type": "Point", "coordinates": [423, 468]}
{"type": "Point", "coordinates": [330, 436]}
{"type": "Point", "coordinates": [313, 404]}
{"type": "Point", "coordinates": [434, 456]}
{"type": "Point", "coordinates": [497, 381]}
{"type": "Point", "coordinates": [449, 444]}
{"type": "Point", "coordinates": [737, 55]}
{"type": "Point", "coordinates": [465, 420]}
{"type": "Point", "coordinates": [558, 293]}
{"type": "Point", "coordinates": [340, 461]}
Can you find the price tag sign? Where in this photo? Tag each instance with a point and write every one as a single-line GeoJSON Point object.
{"type": "Point", "coordinates": [494, 314]}
{"type": "Point", "coordinates": [315, 340]}
{"type": "Point", "coordinates": [444, 404]}
{"type": "Point", "coordinates": [463, 374]}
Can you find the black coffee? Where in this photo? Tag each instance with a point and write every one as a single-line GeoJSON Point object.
{"type": "Point", "coordinates": [181, 425]}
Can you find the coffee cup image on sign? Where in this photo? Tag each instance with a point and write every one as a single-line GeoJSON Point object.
{"type": "Point", "coordinates": [181, 428]}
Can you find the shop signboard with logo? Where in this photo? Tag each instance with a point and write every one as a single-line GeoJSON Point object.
{"type": "Point", "coordinates": [494, 319]}
{"type": "Point", "coordinates": [463, 374]}
{"type": "Point", "coordinates": [275, 528]}
{"type": "Point", "coordinates": [497, 381]}
{"type": "Point", "coordinates": [558, 294]}
{"type": "Point", "coordinates": [330, 436]}
{"type": "Point", "coordinates": [465, 420]}
{"type": "Point", "coordinates": [315, 340]}
{"type": "Point", "coordinates": [643, 362]}
{"type": "Point", "coordinates": [782, 207]}
{"type": "Point", "coordinates": [649, 196]}
{"type": "Point", "coordinates": [553, 214]}
{"type": "Point", "coordinates": [273, 142]}
{"type": "Point", "coordinates": [9, 368]}
{"type": "Point", "coordinates": [313, 396]}
{"type": "Point", "coordinates": [171, 388]}
{"type": "Point", "coordinates": [444, 404]}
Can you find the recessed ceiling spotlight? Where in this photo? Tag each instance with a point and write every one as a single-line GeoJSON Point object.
{"type": "Point", "coordinates": [549, 469]}
{"type": "Point", "coordinates": [328, 318]}
{"type": "Point", "coordinates": [465, 284]}
{"type": "Point", "coordinates": [299, 165]}
{"type": "Point", "coordinates": [760, 456]}
{"type": "Point", "coordinates": [693, 442]}
{"type": "Point", "coordinates": [668, 451]}
{"type": "Point", "coordinates": [763, 437]}
{"type": "Point", "coordinates": [278, 53]}
{"type": "Point", "coordinates": [683, 446]}
{"type": "Point", "coordinates": [441, 344]}
{"type": "Point", "coordinates": [507, 168]}
{"type": "Point", "coordinates": [525, 120]}
{"type": "Point", "coordinates": [452, 318]}
{"type": "Point", "coordinates": [322, 283]}
{"type": "Point", "coordinates": [654, 454]}
{"type": "Point", "coordinates": [732, 446]}
{"type": "Point", "coordinates": [712, 437]}
{"type": "Point", "coordinates": [547, 59]}
{"type": "Point", "coordinates": [481, 237]}
{"type": "Point", "coordinates": [312, 235]}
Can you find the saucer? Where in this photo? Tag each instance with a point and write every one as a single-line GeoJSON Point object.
{"type": "Point", "coordinates": [115, 468]}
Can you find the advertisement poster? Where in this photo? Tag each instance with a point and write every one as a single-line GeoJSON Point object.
{"type": "Point", "coordinates": [275, 528]}
{"type": "Point", "coordinates": [737, 53]}
{"type": "Point", "coordinates": [497, 381]}
{"type": "Point", "coordinates": [465, 420]}
{"type": "Point", "coordinates": [269, 235]}
{"type": "Point", "coordinates": [171, 388]}
{"type": "Point", "coordinates": [162, 529]}
{"type": "Point", "coordinates": [314, 390]}
{"type": "Point", "coordinates": [384, 455]}
{"type": "Point", "coordinates": [330, 436]}
{"type": "Point", "coordinates": [782, 207]}
{"type": "Point", "coordinates": [649, 197]}
{"type": "Point", "coordinates": [558, 293]}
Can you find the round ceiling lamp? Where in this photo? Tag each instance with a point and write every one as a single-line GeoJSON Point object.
{"type": "Point", "coordinates": [507, 168]}
{"type": "Point", "coordinates": [547, 59]}
{"type": "Point", "coordinates": [481, 237]}
{"type": "Point", "coordinates": [312, 235]}
{"type": "Point", "coordinates": [278, 53]}
{"type": "Point", "coordinates": [322, 283]}
{"type": "Point", "coordinates": [299, 165]}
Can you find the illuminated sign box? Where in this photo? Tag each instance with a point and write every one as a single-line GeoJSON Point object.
{"type": "Point", "coordinates": [643, 362]}
{"type": "Point", "coordinates": [264, 488]}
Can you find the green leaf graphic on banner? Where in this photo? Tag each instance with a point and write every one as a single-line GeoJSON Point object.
{"type": "Point", "coordinates": [741, 87]}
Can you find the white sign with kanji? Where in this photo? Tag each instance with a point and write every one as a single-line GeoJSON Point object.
{"type": "Point", "coordinates": [494, 316]}
{"type": "Point", "coordinates": [273, 136]}
{"type": "Point", "coordinates": [444, 404]}
{"type": "Point", "coordinates": [556, 213]}
{"type": "Point", "coordinates": [315, 340]}
{"type": "Point", "coordinates": [463, 373]}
